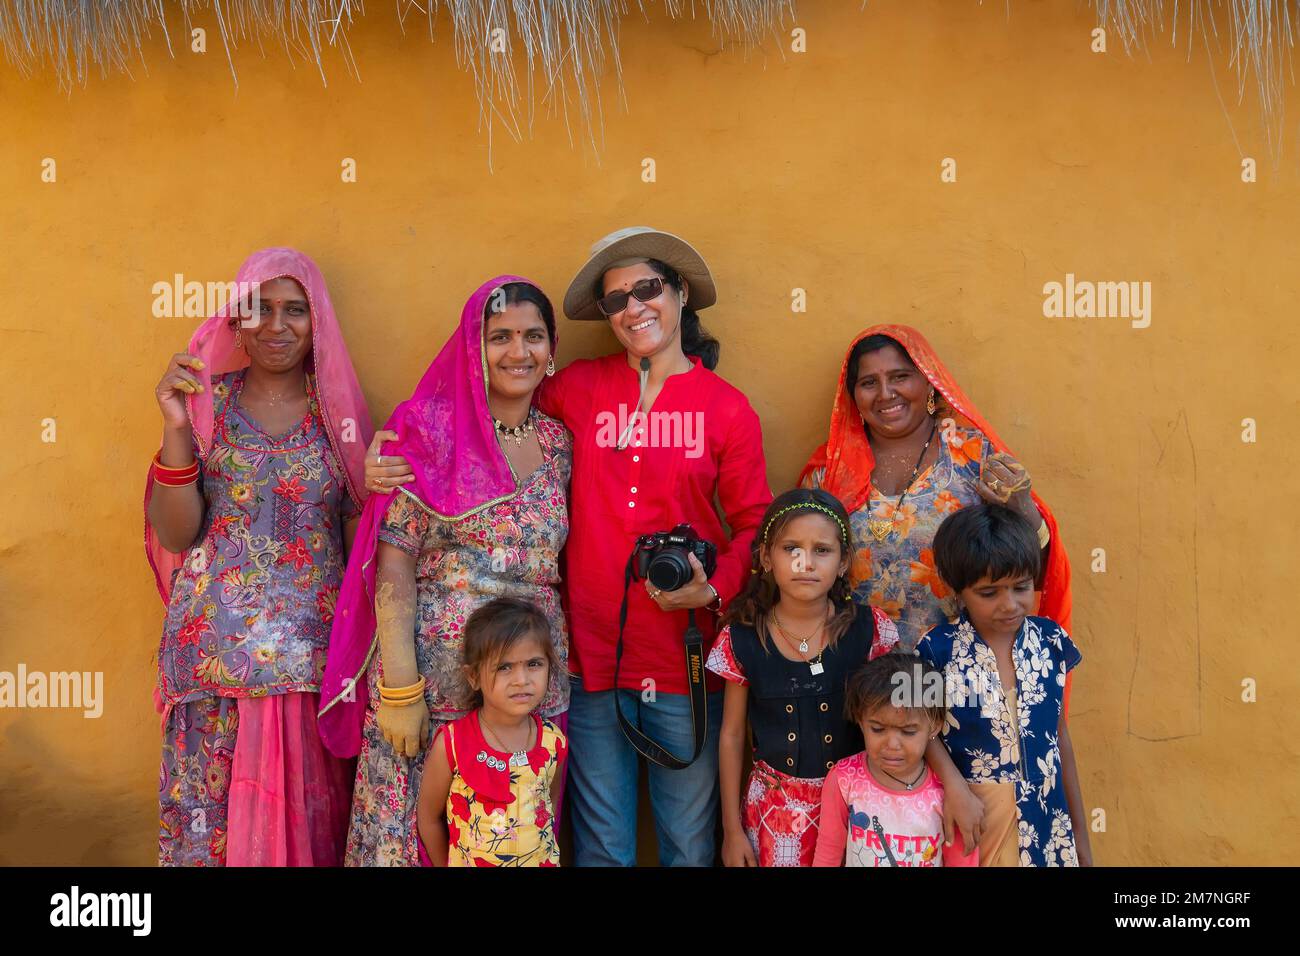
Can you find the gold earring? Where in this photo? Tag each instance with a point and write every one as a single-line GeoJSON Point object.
{"type": "Point", "coordinates": [929, 403]}
{"type": "Point", "coordinates": [550, 365]}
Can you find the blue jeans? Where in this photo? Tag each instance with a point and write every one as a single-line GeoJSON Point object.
{"type": "Point", "coordinates": [601, 793]}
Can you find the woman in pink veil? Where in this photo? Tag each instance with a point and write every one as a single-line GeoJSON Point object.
{"type": "Point", "coordinates": [485, 517]}
{"type": "Point", "coordinates": [248, 504]}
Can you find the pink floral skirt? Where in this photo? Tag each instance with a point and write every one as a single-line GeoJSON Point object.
{"type": "Point", "coordinates": [247, 782]}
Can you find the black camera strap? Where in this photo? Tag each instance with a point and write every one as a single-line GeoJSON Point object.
{"type": "Point", "coordinates": [694, 678]}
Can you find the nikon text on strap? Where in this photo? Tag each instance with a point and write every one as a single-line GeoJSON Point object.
{"type": "Point", "coordinates": [694, 641]}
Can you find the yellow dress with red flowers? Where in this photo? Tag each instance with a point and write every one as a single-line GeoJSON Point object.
{"type": "Point", "coordinates": [499, 810]}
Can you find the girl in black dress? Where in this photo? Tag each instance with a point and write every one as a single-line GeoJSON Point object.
{"type": "Point", "coordinates": [791, 639]}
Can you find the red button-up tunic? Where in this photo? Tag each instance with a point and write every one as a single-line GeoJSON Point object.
{"type": "Point", "coordinates": [701, 439]}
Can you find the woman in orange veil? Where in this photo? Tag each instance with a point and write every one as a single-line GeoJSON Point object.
{"type": "Point", "coordinates": [907, 448]}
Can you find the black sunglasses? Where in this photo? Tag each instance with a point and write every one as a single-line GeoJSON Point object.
{"type": "Point", "coordinates": [616, 302]}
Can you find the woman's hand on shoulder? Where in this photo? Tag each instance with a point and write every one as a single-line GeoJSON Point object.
{"type": "Point", "coordinates": [1005, 481]}
{"type": "Point", "coordinates": [177, 382]}
{"type": "Point", "coordinates": [385, 473]}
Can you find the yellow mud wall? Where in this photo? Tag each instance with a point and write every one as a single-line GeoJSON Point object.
{"type": "Point", "coordinates": [818, 171]}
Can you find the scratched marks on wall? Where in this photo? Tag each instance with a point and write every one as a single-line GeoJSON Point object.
{"type": "Point", "coordinates": [1164, 700]}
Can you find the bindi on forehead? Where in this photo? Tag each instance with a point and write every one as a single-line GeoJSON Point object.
{"type": "Point", "coordinates": [634, 274]}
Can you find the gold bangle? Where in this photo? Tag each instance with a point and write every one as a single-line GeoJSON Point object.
{"type": "Point", "coordinates": [402, 703]}
{"type": "Point", "coordinates": [406, 699]}
{"type": "Point", "coordinates": [1044, 534]}
{"type": "Point", "coordinates": [401, 691]}
{"type": "Point", "coordinates": [385, 694]}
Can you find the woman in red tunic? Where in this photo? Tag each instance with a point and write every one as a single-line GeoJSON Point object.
{"type": "Point", "coordinates": [657, 436]}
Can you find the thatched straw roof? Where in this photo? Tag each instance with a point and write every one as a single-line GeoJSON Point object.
{"type": "Point", "coordinates": [566, 44]}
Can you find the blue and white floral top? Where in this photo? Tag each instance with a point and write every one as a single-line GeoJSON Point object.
{"type": "Point", "coordinates": [989, 746]}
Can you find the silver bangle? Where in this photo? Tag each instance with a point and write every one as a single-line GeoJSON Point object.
{"type": "Point", "coordinates": [716, 597]}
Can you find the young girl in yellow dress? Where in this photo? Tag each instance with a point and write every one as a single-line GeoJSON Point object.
{"type": "Point", "coordinates": [488, 794]}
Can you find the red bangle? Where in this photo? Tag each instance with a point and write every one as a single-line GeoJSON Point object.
{"type": "Point", "coordinates": [172, 481]}
{"type": "Point", "coordinates": [184, 469]}
{"type": "Point", "coordinates": [174, 477]}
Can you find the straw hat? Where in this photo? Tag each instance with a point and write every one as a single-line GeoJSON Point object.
{"type": "Point", "coordinates": [638, 242]}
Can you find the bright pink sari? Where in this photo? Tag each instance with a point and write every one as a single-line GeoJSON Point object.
{"type": "Point", "coordinates": [347, 419]}
{"type": "Point", "coordinates": [289, 797]}
{"type": "Point", "coordinates": [445, 431]}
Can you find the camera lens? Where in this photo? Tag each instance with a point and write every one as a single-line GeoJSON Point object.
{"type": "Point", "coordinates": [669, 569]}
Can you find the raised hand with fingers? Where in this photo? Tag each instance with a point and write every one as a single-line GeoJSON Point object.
{"type": "Point", "coordinates": [177, 382]}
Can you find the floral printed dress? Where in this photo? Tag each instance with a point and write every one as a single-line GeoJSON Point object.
{"type": "Point", "coordinates": [511, 549]}
{"type": "Point", "coordinates": [1008, 736]}
{"type": "Point", "coordinates": [499, 813]}
{"type": "Point", "coordinates": [898, 574]}
{"type": "Point", "coordinates": [250, 609]}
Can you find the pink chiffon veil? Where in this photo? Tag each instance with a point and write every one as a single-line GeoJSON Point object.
{"type": "Point", "coordinates": [445, 431]}
{"type": "Point", "coordinates": [343, 406]}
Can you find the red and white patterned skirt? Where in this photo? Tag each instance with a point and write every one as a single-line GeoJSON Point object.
{"type": "Point", "coordinates": [781, 816]}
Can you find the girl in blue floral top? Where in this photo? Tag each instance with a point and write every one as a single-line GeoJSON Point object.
{"type": "Point", "coordinates": [1004, 675]}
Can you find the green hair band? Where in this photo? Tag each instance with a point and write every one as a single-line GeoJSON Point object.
{"type": "Point", "coordinates": [810, 506]}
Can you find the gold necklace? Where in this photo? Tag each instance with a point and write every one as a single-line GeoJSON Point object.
{"type": "Point", "coordinates": [881, 527]}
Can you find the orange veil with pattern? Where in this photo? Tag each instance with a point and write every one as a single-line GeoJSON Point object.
{"type": "Point", "coordinates": [849, 462]}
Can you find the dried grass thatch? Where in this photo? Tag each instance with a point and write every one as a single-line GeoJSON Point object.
{"type": "Point", "coordinates": [566, 44]}
{"type": "Point", "coordinates": [1256, 35]}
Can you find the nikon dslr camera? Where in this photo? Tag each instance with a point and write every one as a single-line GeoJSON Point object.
{"type": "Point", "coordinates": [661, 557]}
